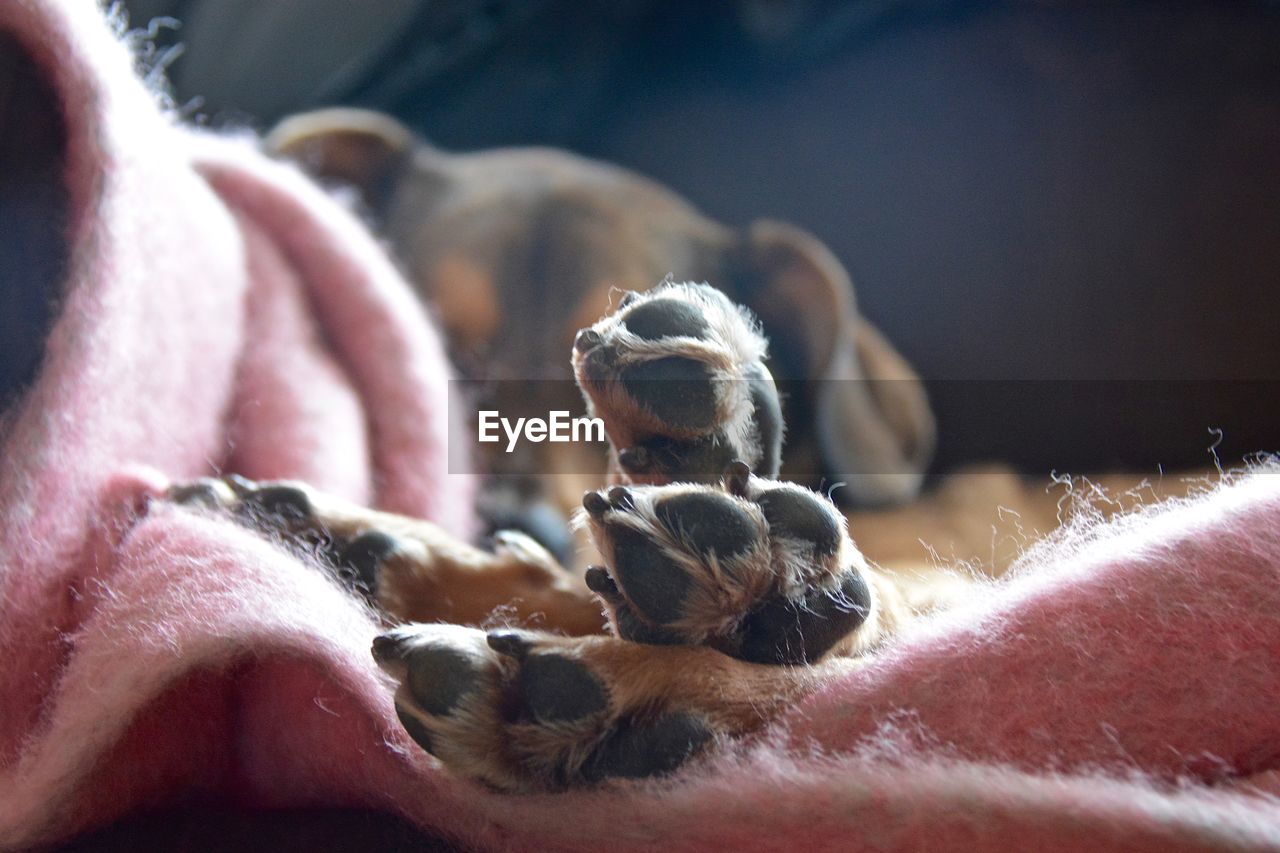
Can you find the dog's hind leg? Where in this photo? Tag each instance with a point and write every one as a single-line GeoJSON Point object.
{"type": "Point", "coordinates": [411, 569]}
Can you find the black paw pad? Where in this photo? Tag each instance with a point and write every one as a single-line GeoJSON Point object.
{"type": "Point", "coordinates": [711, 522]}
{"type": "Point", "coordinates": [595, 504]}
{"type": "Point", "coordinates": [632, 628]}
{"type": "Point", "coordinates": [678, 391]}
{"type": "Point", "coordinates": [288, 502]}
{"type": "Point", "coordinates": [651, 581]}
{"type": "Point", "coordinates": [802, 516]}
{"type": "Point", "coordinates": [420, 733]}
{"type": "Point", "coordinates": [556, 689]}
{"type": "Point", "coordinates": [783, 631]}
{"type": "Point", "coordinates": [737, 477]}
{"type": "Point", "coordinates": [365, 554]}
{"type": "Point", "coordinates": [627, 625]}
{"type": "Point", "coordinates": [666, 318]}
{"type": "Point", "coordinates": [654, 748]}
{"type": "Point", "coordinates": [440, 676]}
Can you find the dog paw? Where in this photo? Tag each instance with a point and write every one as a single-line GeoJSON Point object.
{"type": "Point", "coordinates": [299, 517]}
{"type": "Point", "coordinates": [285, 509]}
{"type": "Point", "coordinates": [525, 711]}
{"type": "Point", "coordinates": [409, 568]}
{"type": "Point", "coordinates": [677, 375]}
{"type": "Point", "coordinates": [761, 570]}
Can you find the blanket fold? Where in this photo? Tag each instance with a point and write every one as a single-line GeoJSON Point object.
{"type": "Point", "coordinates": [219, 312]}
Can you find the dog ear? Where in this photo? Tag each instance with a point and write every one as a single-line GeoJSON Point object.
{"type": "Point", "coordinates": [362, 149]}
{"type": "Point", "coordinates": [869, 411]}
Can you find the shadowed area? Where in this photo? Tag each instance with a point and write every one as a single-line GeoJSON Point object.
{"type": "Point", "coordinates": [33, 215]}
{"type": "Point", "coordinates": [208, 828]}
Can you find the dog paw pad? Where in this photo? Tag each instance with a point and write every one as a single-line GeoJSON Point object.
{"type": "Point", "coordinates": [678, 391]}
{"type": "Point", "coordinates": [283, 501]}
{"type": "Point", "coordinates": [654, 583]}
{"type": "Point", "coordinates": [363, 556]}
{"type": "Point", "coordinates": [556, 689]}
{"type": "Point", "coordinates": [440, 677]}
{"type": "Point", "coordinates": [802, 517]}
{"type": "Point", "coordinates": [653, 748]}
{"type": "Point", "coordinates": [711, 522]}
{"type": "Point", "coordinates": [666, 318]}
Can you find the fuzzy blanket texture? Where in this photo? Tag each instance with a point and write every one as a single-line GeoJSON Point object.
{"type": "Point", "coordinates": [1117, 692]}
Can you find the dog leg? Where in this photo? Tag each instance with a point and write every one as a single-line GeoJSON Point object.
{"type": "Point", "coordinates": [525, 711]}
{"type": "Point", "coordinates": [410, 568]}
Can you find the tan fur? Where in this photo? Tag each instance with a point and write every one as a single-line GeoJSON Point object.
{"type": "Point", "coordinates": [463, 294]}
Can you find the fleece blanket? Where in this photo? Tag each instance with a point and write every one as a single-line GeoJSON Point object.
{"type": "Point", "coordinates": [1118, 691]}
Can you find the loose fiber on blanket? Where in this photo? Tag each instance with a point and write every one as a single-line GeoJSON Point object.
{"type": "Point", "coordinates": [217, 311]}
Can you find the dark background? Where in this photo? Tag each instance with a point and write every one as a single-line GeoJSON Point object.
{"type": "Point", "coordinates": [1076, 202]}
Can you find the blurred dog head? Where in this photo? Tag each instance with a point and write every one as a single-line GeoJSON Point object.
{"type": "Point", "coordinates": [518, 249]}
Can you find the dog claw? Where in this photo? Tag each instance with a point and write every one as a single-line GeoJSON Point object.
{"type": "Point", "coordinates": [388, 648]}
{"type": "Point", "coordinates": [601, 583]}
{"type": "Point", "coordinates": [620, 498]}
{"type": "Point", "coordinates": [511, 644]}
{"type": "Point", "coordinates": [586, 340]}
{"type": "Point", "coordinates": [736, 477]}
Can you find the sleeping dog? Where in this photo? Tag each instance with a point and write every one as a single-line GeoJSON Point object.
{"type": "Point", "coordinates": [517, 249]}
{"type": "Point", "coordinates": [722, 594]}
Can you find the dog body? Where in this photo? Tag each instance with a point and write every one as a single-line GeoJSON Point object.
{"type": "Point", "coordinates": [724, 592]}
{"type": "Point", "coordinates": [517, 249]}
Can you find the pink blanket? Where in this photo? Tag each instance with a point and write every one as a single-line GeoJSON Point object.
{"type": "Point", "coordinates": [1119, 692]}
